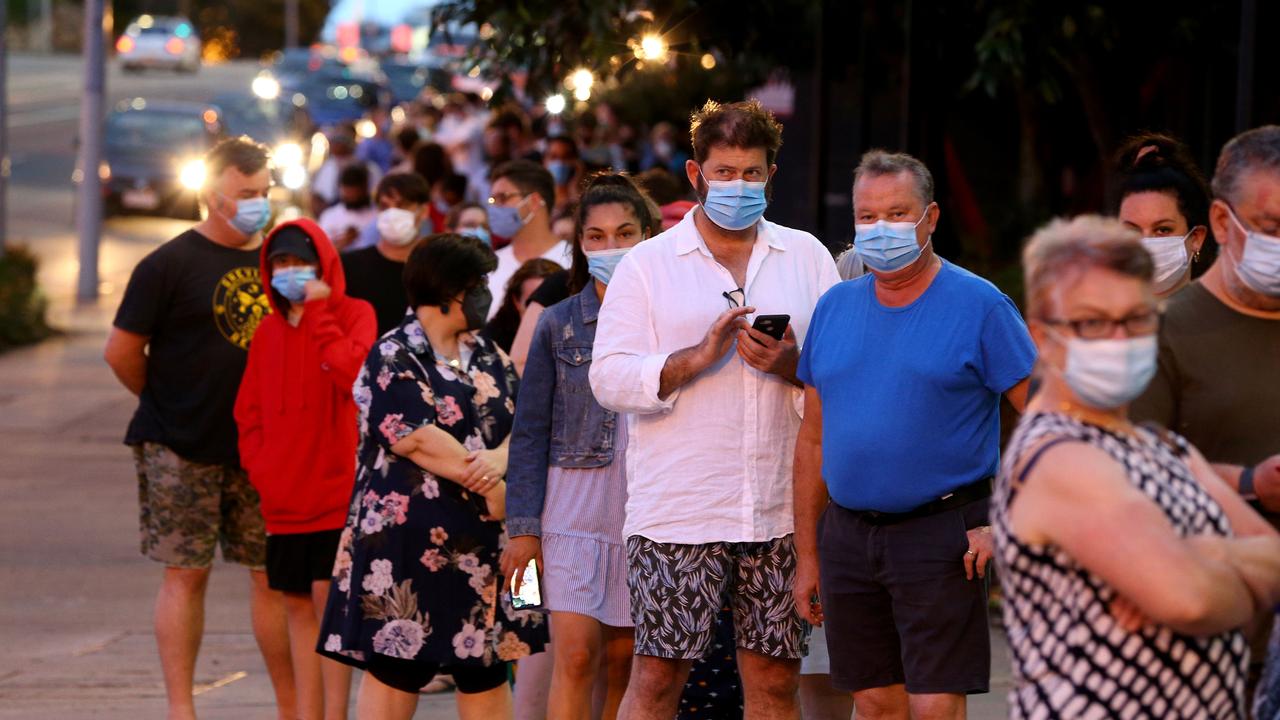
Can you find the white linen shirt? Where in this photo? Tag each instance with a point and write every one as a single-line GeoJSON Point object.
{"type": "Point", "coordinates": [711, 462]}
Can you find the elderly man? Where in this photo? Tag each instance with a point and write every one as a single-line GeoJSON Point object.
{"type": "Point", "coordinates": [909, 364]}
{"type": "Point", "coordinates": [1218, 378]}
{"type": "Point", "coordinates": [713, 419]}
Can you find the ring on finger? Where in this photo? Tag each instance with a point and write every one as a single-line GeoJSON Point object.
{"type": "Point", "coordinates": [971, 552]}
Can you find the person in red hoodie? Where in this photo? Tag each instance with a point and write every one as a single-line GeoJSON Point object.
{"type": "Point", "coordinates": [297, 425]}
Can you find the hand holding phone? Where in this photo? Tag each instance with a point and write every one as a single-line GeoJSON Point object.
{"type": "Point", "coordinates": [529, 594]}
{"type": "Point", "coordinates": [775, 326]}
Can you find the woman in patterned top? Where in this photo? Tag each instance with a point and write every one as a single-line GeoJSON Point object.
{"type": "Point", "coordinates": [415, 584]}
{"type": "Point", "coordinates": [1128, 565]}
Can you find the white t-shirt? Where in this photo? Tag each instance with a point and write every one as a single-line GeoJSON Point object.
{"type": "Point", "coordinates": [560, 253]}
{"type": "Point", "coordinates": [335, 220]}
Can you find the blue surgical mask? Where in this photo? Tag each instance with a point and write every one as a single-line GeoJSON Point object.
{"type": "Point", "coordinates": [885, 246]}
{"type": "Point", "coordinates": [478, 232]}
{"type": "Point", "coordinates": [291, 281]}
{"type": "Point", "coordinates": [252, 214]}
{"type": "Point", "coordinates": [561, 171]}
{"type": "Point", "coordinates": [1111, 372]}
{"type": "Point", "coordinates": [1259, 266]}
{"type": "Point", "coordinates": [734, 204]}
{"type": "Point", "coordinates": [602, 263]}
{"type": "Point", "coordinates": [506, 221]}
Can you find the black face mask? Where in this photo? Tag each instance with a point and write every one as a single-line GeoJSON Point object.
{"type": "Point", "coordinates": [475, 306]}
{"type": "Point", "coordinates": [360, 204]}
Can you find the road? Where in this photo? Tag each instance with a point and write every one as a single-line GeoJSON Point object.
{"type": "Point", "coordinates": [75, 596]}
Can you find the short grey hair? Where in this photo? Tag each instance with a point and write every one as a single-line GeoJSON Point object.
{"type": "Point", "coordinates": [880, 162]}
{"type": "Point", "coordinates": [1256, 149]}
{"type": "Point", "coordinates": [1061, 251]}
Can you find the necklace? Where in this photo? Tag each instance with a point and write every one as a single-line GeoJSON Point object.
{"type": "Point", "coordinates": [1110, 423]}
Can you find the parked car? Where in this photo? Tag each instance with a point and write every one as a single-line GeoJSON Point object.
{"type": "Point", "coordinates": [153, 152]}
{"type": "Point", "coordinates": [163, 42]}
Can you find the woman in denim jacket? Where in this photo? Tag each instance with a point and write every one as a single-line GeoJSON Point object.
{"type": "Point", "coordinates": [566, 479]}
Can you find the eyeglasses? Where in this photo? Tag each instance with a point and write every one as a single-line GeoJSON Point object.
{"type": "Point", "coordinates": [504, 198]}
{"type": "Point", "coordinates": [737, 298]}
{"type": "Point", "coordinates": [1138, 324]}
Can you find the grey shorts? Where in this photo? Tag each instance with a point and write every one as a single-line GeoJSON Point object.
{"type": "Point", "coordinates": [676, 593]}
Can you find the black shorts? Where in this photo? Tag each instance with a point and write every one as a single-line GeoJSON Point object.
{"type": "Point", "coordinates": [296, 560]}
{"type": "Point", "coordinates": [410, 675]}
{"type": "Point", "coordinates": [898, 607]}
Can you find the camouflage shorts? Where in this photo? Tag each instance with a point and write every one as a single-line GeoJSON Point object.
{"type": "Point", "coordinates": [188, 508]}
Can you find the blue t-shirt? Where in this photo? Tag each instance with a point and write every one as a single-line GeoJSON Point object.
{"type": "Point", "coordinates": [911, 395]}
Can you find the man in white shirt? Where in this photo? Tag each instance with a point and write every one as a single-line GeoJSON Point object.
{"type": "Point", "coordinates": [520, 209]}
{"type": "Point", "coordinates": [714, 414]}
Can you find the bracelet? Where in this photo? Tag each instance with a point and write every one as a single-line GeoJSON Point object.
{"type": "Point", "coordinates": [1246, 488]}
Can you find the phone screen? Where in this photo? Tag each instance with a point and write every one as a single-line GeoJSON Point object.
{"type": "Point", "coordinates": [529, 594]}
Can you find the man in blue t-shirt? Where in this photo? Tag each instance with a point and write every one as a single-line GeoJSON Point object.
{"type": "Point", "coordinates": [903, 370]}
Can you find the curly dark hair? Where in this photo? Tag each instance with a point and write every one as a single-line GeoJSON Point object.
{"type": "Point", "coordinates": [445, 265]}
{"type": "Point", "coordinates": [745, 124]}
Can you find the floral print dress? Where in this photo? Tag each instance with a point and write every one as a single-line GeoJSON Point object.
{"type": "Point", "coordinates": [416, 576]}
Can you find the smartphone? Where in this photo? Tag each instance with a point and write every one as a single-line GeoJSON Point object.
{"type": "Point", "coordinates": [772, 325]}
{"type": "Point", "coordinates": [529, 594]}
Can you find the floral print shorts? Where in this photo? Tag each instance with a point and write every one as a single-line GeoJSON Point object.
{"type": "Point", "coordinates": [676, 593]}
{"type": "Point", "coordinates": [188, 508]}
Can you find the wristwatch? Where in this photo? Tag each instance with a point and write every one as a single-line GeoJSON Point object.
{"type": "Point", "coordinates": [1247, 491]}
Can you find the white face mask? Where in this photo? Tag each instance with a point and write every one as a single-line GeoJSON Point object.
{"type": "Point", "coordinates": [1259, 267]}
{"type": "Point", "coordinates": [397, 226]}
{"type": "Point", "coordinates": [1108, 373]}
{"type": "Point", "coordinates": [1170, 256]}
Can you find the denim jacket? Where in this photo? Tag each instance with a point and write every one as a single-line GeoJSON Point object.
{"type": "Point", "coordinates": [558, 421]}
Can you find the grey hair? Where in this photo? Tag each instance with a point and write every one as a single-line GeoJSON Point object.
{"type": "Point", "coordinates": [879, 162]}
{"type": "Point", "coordinates": [849, 265]}
{"type": "Point", "coordinates": [1256, 149]}
{"type": "Point", "coordinates": [1062, 250]}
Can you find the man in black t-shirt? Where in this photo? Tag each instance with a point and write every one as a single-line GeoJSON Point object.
{"type": "Point", "coordinates": [179, 343]}
{"type": "Point", "coordinates": [375, 273]}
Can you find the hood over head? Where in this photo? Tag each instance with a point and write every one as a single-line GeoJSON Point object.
{"type": "Point", "coordinates": [287, 235]}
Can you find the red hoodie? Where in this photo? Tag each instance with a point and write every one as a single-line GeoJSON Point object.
{"type": "Point", "coordinates": [295, 413]}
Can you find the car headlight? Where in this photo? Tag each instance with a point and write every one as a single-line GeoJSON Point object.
{"type": "Point", "coordinates": [288, 154]}
{"type": "Point", "coordinates": [266, 87]}
{"type": "Point", "coordinates": [294, 177]}
{"type": "Point", "coordinates": [192, 174]}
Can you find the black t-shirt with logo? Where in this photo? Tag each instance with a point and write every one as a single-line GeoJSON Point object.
{"type": "Point", "coordinates": [199, 303]}
{"type": "Point", "coordinates": [373, 277]}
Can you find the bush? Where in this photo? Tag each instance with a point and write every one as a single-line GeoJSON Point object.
{"type": "Point", "coordinates": [22, 305]}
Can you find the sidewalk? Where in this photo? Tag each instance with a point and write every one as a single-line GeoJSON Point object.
{"type": "Point", "coordinates": [76, 597]}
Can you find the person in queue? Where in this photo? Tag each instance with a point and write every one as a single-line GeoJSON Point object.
{"type": "Point", "coordinates": [565, 165]}
{"type": "Point", "coordinates": [567, 487]}
{"type": "Point", "coordinates": [1083, 491]}
{"type": "Point", "coordinates": [297, 426]}
{"type": "Point", "coordinates": [195, 302]}
{"type": "Point", "coordinates": [416, 588]}
{"type": "Point", "coordinates": [501, 328]}
{"type": "Point", "coordinates": [520, 211]}
{"type": "Point", "coordinates": [374, 273]}
{"type": "Point", "coordinates": [673, 349]}
{"type": "Point", "coordinates": [917, 348]}
{"type": "Point", "coordinates": [472, 219]}
{"type": "Point", "coordinates": [1219, 341]}
{"type": "Point", "coordinates": [343, 221]}
{"type": "Point", "coordinates": [1163, 196]}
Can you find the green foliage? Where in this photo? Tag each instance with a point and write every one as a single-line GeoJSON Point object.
{"type": "Point", "coordinates": [22, 305]}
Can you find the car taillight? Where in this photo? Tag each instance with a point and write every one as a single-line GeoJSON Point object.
{"type": "Point", "coordinates": [174, 46]}
{"type": "Point", "coordinates": [124, 44]}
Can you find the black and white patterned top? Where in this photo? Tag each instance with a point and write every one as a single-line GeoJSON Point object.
{"type": "Point", "coordinates": [1070, 658]}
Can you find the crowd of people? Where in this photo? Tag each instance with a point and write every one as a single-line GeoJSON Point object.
{"type": "Point", "coordinates": [752, 480]}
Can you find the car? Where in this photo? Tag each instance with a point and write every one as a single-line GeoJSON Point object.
{"type": "Point", "coordinates": [333, 98]}
{"type": "Point", "coordinates": [406, 79]}
{"type": "Point", "coordinates": [279, 124]}
{"type": "Point", "coordinates": [153, 156]}
{"type": "Point", "coordinates": [158, 41]}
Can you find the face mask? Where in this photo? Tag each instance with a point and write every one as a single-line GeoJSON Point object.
{"type": "Point", "coordinates": [1170, 256]}
{"type": "Point", "coordinates": [602, 263]}
{"type": "Point", "coordinates": [397, 226]}
{"type": "Point", "coordinates": [442, 207]}
{"type": "Point", "coordinates": [663, 149]}
{"type": "Point", "coordinates": [1259, 267]}
{"type": "Point", "coordinates": [1108, 373]}
{"type": "Point", "coordinates": [475, 306]}
{"type": "Point", "coordinates": [734, 204]}
{"type": "Point", "coordinates": [477, 232]}
{"type": "Point", "coordinates": [561, 171]}
{"type": "Point", "coordinates": [251, 215]}
{"type": "Point", "coordinates": [360, 204]}
{"type": "Point", "coordinates": [291, 281]}
{"type": "Point", "coordinates": [885, 246]}
{"type": "Point", "coordinates": [506, 221]}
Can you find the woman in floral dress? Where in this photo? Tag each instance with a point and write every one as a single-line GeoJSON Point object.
{"type": "Point", "coordinates": [416, 588]}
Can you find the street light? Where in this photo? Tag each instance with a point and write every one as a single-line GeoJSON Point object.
{"type": "Point", "coordinates": [582, 78]}
{"type": "Point", "coordinates": [708, 61]}
{"type": "Point", "coordinates": [555, 104]}
{"type": "Point", "coordinates": [651, 47]}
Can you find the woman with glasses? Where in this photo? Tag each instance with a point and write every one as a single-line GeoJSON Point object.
{"type": "Point", "coordinates": [1128, 565]}
{"type": "Point", "coordinates": [1164, 197]}
{"type": "Point", "coordinates": [416, 589]}
{"type": "Point", "coordinates": [568, 468]}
